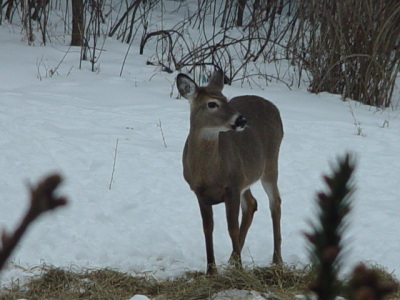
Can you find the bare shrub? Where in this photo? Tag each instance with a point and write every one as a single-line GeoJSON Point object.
{"type": "Point", "coordinates": [245, 36]}
{"type": "Point", "coordinates": [93, 19]}
{"type": "Point", "coordinates": [32, 13]}
{"type": "Point", "coordinates": [135, 13]}
{"type": "Point", "coordinates": [350, 47]}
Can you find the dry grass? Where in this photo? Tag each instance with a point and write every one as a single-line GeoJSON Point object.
{"type": "Point", "coordinates": [54, 283]}
{"type": "Point", "coordinates": [283, 281]}
{"type": "Point", "coordinates": [57, 283]}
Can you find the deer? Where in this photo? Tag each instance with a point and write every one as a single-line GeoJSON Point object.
{"type": "Point", "coordinates": [230, 146]}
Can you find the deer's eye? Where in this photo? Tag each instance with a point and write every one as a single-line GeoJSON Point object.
{"type": "Point", "coordinates": [212, 105]}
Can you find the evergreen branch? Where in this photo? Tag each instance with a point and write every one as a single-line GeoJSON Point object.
{"type": "Point", "coordinates": [326, 238]}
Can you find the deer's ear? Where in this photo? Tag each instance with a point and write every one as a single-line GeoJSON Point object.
{"type": "Point", "coordinates": [217, 80]}
{"type": "Point", "coordinates": [186, 87]}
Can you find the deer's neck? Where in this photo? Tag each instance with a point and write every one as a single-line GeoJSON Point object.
{"type": "Point", "coordinates": [202, 156]}
{"type": "Point", "coordinates": [204, 145]}
{"type": "Point", "coordinates": [203, 168]}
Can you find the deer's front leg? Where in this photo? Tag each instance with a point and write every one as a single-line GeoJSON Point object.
{"type": "Point", "coordinates": [208, 228]}
{"type": "Point", "coordinates": [232, 205]}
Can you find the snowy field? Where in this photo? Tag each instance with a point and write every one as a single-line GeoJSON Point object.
{"type": "Point", "coordinates": [148, 222]}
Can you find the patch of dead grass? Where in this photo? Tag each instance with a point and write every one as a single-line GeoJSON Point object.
{"type": "Point", "coordinates": [56, 283]}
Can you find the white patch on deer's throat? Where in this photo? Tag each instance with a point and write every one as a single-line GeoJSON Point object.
{"type": "Point", "coordinates": [212, 133]}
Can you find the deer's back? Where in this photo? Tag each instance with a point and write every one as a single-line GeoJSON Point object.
{"type": "Point", "coordinates": [263, 120]}
{"type": "Point", "coordinates": [256, 148]}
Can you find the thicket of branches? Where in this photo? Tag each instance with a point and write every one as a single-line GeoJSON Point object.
{"type": "Point", "coordinates": [347, 47]}
{"type": "Point", "coordinates": [244, 37]}
{"type": "Point", "coordinates": [351, 47]}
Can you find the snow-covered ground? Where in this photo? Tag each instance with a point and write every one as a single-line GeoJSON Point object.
{"type": "Point", "coordinates": [148, 222]}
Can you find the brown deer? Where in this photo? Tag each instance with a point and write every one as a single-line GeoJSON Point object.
{"type": "Point", "coordinates": [230, 146]}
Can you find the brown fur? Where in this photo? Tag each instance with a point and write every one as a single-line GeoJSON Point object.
{"type": "Point", "coordinates": [220, 164]}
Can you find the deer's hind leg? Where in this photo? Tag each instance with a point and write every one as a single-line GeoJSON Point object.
{"type": "Point", "coordinates": [249, 206]}
{"type": "Point", "coordinates": [270, 186]}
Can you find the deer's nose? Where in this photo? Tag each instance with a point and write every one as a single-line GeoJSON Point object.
{"type": "Point", "coordinates": [240, 123]}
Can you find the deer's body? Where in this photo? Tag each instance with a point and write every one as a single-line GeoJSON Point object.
{"type": "Point", "coordinates": [230, 146]}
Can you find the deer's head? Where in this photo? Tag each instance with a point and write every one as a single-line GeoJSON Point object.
{"type": "Point", "coordinates": [210, 111]}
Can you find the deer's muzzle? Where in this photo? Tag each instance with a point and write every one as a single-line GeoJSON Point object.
{"type": "Point", "coordinates": [240, 123]}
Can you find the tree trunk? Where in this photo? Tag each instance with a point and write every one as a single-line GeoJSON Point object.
{"type": "Point", "coordinates": [241, 6]}
{"type": "Point", "coordinates": [9, 10]}
{"type": "Point", "coordinates": [77, 23]}
{"type": "Point", "coordinates": [1, 11]}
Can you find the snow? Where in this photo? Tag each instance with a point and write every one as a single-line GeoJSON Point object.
{"type": "Point", "coordinates": [235, 294]}
{"type": "Point", "coordinates": [139, 297]}
{"type": "Point", "coordinates": [76, 121]}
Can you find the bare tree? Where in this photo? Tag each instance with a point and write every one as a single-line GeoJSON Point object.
{"type": "Point", "coordinates": [38, 7]}
{"type": "Point", "coordinates": [241, 7]}
{"type": "Point", "coordinates": [10, 6]}
{"type": "Point", "coordinates": [94, 8]}
{"type": "Point", "coordinates": [126, 24]}
{"type": "Point", "coordinates": [1, 12]}
{"type": "Point", "coordinates": [77, 23]}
